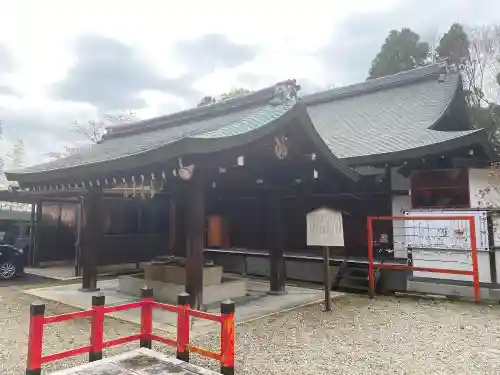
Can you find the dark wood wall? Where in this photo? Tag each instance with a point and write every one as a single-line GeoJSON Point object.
{"type": "Point", "coordinates": [246, 216]}
{"type": "Point", "coordinates": [56, 234]}
{"type": "Point", "coordinates": [134, 230]}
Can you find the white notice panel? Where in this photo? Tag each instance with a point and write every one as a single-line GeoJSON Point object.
{"type": "Point", "coordinates": [446, 234]}
{"type": "Point", "coordinates": [446, 243]}
{"type": "Point", "coordinates": [325, 228]}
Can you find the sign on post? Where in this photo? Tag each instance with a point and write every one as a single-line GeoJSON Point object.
{"type": "Point", "coordinates": [325, 228]}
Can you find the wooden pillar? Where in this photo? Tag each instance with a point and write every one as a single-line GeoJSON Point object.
{"type": "Point", "coordinates": [275, 239]}
{"type": "Point", "coordinates": [391, 223]}
{"type": "Point", "coordinates": [78, 237]}
{"type": "Point", "coordinates": [31, 243]}
{"type": "Point", "coordinates": [91, 238]}
{"type": "Point", "coordinates": [172, 224]}
{"type": "Point", "coordinates": [37, 235]}
{"type": "Point", "coordinates": [195, 237]}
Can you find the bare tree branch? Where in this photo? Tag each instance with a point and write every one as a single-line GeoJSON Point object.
{"type": "Point", "coordinates": [93, 130]}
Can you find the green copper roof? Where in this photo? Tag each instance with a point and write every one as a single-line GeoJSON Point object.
{"type": "Point", "coordinates": [191, 136]}
{"type": "Point", "coordinates": [248, 123]}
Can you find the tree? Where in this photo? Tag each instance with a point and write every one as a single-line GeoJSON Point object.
{"type": "Point", "coordinates": [93, 131]}
{"type": "Point", "coordinates": [15, 158]}
{"type": "Point", "coordinates": [207, 100]}
{"type": "Point", "coordinates": [401, 51]}
{"type": "Point", "coordinates": [17, 155]}
{"type": "Point", "coordinates": [454, 45]}
{"type": "Point", "coordinates": [233, 93]}
{"type": "Point", "coordinates": [480, 71]}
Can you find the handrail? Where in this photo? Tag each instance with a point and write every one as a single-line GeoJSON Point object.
{"type": "Point", "coordinates": [225, 356]}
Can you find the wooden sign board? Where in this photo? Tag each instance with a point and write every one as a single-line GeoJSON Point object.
{"type": "Point", "coordinates": [325, 228]}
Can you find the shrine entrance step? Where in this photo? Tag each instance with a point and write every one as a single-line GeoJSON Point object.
{"type": "Point", "coordinates": [353, 277]}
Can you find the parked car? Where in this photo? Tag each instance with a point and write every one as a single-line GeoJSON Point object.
{"type": "Point", "coordinates": [11, 262]}
{"type": "Point", "coordinates": [18, 235]}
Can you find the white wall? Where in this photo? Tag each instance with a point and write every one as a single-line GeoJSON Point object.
{"type": "Point", "coordinates": [484, 192]}
{"type": "Point", "coordinates": [484, 187]}
{"type": "Point", "coordinates": [399, 182]}
{"type": "Point", "coordinates": [400, 203]}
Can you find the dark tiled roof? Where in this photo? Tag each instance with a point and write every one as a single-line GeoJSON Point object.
{"type": "Point", "coordinates": [375, 121]}
{"type": "Point", "coordinates": [384, 118]}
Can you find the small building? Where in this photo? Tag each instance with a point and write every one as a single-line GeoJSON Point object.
{"type": "Point", "coordinates": [235, 179]}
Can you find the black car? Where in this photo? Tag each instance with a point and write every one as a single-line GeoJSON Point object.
{"type": "Point", "coordinates": [11, 262]}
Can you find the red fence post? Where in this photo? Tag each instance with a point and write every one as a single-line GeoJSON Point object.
{"type": "Point", "coordinates": [146, 317]}
{"type": "Point", "coordinates": [35, 339]}
{"type": "Point", "coordinates": [96, 329]}
{"type": "Point", "coordinates": [475, 266]}
{"type": "Point", "coordinates": [227, 338]}
{"type": "Point", "coordinates": [183, 327]}
{"type": "Point", "coordinates": [371, 276]}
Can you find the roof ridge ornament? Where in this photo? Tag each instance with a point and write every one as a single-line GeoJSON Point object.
{"type": "Point", "coordinates": [284, 92]}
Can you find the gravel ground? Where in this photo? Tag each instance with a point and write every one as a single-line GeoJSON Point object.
{"type": "Point", "coordinates": [383, 336]}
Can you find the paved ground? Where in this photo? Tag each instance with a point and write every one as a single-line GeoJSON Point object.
{"type": "Point", "coordinates": [256, 304]}
{"type": "Point", "coordinates": [383, 336]}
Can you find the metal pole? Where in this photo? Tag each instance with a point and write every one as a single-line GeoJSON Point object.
{"type": "Point", "coordinates": [328, 300]}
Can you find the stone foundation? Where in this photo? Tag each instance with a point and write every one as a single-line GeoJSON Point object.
{"type": "Point", "coordinates": [229, 288]}
{"type": "Point", "coordinates": [176, 274]}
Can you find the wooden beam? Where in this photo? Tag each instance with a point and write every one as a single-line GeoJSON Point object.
{"type": "Point", "coordinates": [91, 238]}
{"type": "Point", "coordinates": [195, 237]}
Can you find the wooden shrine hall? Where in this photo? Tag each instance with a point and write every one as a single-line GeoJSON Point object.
{"type": "Point", "coordinates": [265, 139]}
{"type": "Point", "coordinates": [242, 173]}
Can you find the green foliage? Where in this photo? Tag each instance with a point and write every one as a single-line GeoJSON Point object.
{"type": "Point", "coordinates": [234, 93]}
{"type": "Point", "coordinates": [475, 52]}
{"type": "Point", "coordinates": [454, 45]}
{"type": "Point", "coordinates": [401, 51]}
{"type": "Point", "coordinates": [206, 100]}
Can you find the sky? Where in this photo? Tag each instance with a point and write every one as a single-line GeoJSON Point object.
{"type": "Point", "coordinates": [64, 61]}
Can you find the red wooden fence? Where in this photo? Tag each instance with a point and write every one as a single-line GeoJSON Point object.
{"type": "Point", "coordinates": [97, 343]}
